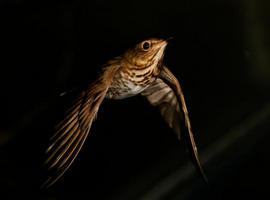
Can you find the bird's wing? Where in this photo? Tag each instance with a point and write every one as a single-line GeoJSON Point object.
{"type": "Point", "coordinates": [71, 132]}
{"type": "Point", "coordinates": [159, 94]}
{"type": "Point", "coordinates": [167, 94]}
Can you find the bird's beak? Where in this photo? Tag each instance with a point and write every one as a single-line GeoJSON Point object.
{"type": "Point", "coordinates": [170, 38]}
{"type": "Point", "coordinates": [165, 42]}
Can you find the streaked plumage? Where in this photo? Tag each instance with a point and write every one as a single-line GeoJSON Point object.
{"type": "Point", "coordinates": [140, 70]}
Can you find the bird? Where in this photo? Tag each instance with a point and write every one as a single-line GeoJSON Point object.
{"type": "Point", "coordinates": [138, 71]}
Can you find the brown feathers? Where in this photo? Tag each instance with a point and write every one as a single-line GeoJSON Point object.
{"type": "Point", "coordinates": [161, 95]}
{"type": "Point", "coordinates": [72, 131]}
{"type": "Point", "coordinates": [139, 70]}
{"type": "Point", "coordinates": [167, 76]}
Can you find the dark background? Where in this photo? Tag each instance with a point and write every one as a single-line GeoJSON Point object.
{"type": "Point", "coordinates": [220, 53]}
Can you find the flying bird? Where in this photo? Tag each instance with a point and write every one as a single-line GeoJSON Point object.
{"type": "Point", "coordinates": [140, 70]}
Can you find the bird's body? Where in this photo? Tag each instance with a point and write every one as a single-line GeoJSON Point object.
{"type": "Point", "coordinates": [139, 70]}
{"type": "Point", "coordinates": [135, 76]}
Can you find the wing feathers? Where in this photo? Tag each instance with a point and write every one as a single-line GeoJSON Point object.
{"type": "Point", "coordinates": [71, 134]}
{"type": "Point", "coordinates": [167, 76]}
{"type": "Point", "coordinates": [161, 95]}
{"type": "Point", "coordinates": [72, 131]}
{"type": "Point", "coordinates": [166, 94]}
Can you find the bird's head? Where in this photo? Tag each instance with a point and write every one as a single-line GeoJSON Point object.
{"type": "Point", "coordinates": [147, 53]}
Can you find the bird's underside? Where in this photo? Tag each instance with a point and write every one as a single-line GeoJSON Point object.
{"type": "Point", "coordinates": [160, 88]}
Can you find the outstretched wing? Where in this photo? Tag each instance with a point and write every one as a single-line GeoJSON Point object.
{"type": "Point", "coordinates": [167, 94]}
{"type": "Point", "coordinates": [72, 131]}
{"type": "Point", "coordinates": [161, 95]}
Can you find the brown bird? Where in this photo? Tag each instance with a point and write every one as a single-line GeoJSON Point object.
{"type": "Point", "coordinates": [140, 70]}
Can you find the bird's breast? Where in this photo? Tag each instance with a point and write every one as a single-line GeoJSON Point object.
{"type": "Point", "coordinates": [127, 84]}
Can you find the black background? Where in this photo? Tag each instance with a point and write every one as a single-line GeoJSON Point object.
{"type": "Point", "coordinates": [220, 53]}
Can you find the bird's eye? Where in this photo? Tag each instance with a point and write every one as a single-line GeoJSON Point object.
{"type": "Point", "coordinates": [146, 46]}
